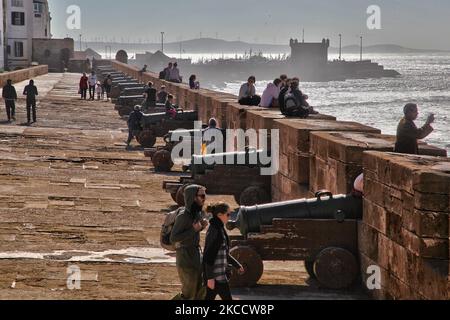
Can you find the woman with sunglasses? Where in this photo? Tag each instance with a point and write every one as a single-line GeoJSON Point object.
{"type": "Point", "coordinates": [216, 256]}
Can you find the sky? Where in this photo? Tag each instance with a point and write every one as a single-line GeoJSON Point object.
{"type": "Point", "coordinates": [411, 23]}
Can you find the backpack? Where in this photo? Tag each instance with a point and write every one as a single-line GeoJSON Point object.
{"type": "Point", "coordinates": [166, 230]}
{"type": "Point", "coordinates": [292, 107]}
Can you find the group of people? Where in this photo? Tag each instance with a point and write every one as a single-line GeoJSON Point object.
{"type": "Point", "coordinates": [203, 277]}
{"type": "Point", "coordinates": [172, 74]}
{"type": "Point", "coordinates": [283, 93]}
{"type": "Point", "coordinates": [94, 86]}
{"type": "Point", "coordinates": [151, 98]}
{"type": "Point", "coordinates": [9, 94]}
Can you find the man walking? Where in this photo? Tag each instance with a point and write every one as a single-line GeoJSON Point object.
{"type": "Point", "coordinates": [186, 237]}
{"type": "Point", "coordinates": [31, 92]}
{"type": "Point", "coordinates": [92, 84]}
{"type": "Point", "coordinates": [134, 124]}
{"type": "Point", "coordinates": [9, 94]}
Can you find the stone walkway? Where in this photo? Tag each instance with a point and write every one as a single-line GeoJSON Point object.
{"type": "Point", "coordinates": [72, 198]}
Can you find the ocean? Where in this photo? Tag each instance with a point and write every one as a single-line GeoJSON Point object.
{"type": "Point", "coordinates": [425, 80]}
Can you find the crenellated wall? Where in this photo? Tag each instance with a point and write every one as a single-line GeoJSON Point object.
{"type": "Point", "coordinates": [405, 228]}
{"type": "Point", "coordinates": [22, 75]}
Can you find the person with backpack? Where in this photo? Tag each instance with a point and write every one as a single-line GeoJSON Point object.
{"type": "Point", "coordinates": [185, 236]}
{"type": "Point", "coordinates": [295, 102]}
{"type": "Point", "coordinates": [134, 124]}
{"type": "Point", "coordinates": [216, 255]}
{"type": "Point", "coordinates": [31, 91]}
{"type": "Point", "coordinates": [9, 94]}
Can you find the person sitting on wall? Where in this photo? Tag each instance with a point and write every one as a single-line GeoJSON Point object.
{"type": "Point", "coordinates": [165, 74]}
{"type": "Point", "coordinates": [407, 132]}
{"type": "Point", "coordinates": [295, 102]}
{"type": "Point", "coordinates": [247, 93]}
{"type": "Point", "coordinates": [171, 109]}
{"type": "Point", "coordinates": [162, 95]}
{"type": "Point", "coordinates": [193, 83]}
{"type": "Point", "coordinates": [270, 95]}
{"type": "Point", "coordinates": [174, 74]}
{"type": "Point", "coordinates": [358, 186]}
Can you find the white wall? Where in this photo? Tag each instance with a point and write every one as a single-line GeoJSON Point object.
{"type": "Point", "coordinates": [41, 23]}
{"type": "Point", "coordinates": [2, 39]}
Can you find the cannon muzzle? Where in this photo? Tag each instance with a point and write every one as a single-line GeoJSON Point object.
{"type": "Point", "coordinates": [324, 207]}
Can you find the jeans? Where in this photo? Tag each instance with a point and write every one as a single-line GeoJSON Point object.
{"type": "Point", "coordinates": [10, 108]}
{"type": "Point", "coordinates": [83, 93]}
{"type": "Point", "coordinates": [92, 92]}
{"type": "Point", "coordinates": [250, 101]}
{"type": "Point", "coordinates": [31, 107]}
{"type": "Point", "coordinates": [222, 289]}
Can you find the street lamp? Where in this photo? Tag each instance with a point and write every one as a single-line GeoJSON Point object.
{"type": "Point", "coordinates": [162, 42]}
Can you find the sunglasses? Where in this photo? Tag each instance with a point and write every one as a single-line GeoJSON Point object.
{"type": "Point", "coordinates": [203, 196]}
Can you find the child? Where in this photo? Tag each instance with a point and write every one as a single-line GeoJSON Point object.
{"type": "Point", "coordinates": [99, 90]}
{"type": "Point", "coordinates": [171, 110]}
{"type": "Point", "coordinates": [216, 256]}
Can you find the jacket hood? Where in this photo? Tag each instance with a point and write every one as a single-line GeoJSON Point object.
{"type": "Point", "coordinates": [189, 195]}
{"type": "Point", "coordinates": [271, 85]}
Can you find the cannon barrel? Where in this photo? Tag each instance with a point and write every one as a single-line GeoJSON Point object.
{"type": "Point", "coordinates": [324, 207]}
{"type": "Point", "coordinates": [201, 163]}
{"type": "Point", "coordinates": [157, 118]}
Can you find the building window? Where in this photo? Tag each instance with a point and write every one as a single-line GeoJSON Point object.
{"type": "Point", "coordinates": [17, 3]}
{"type": "Point", "coordinates": [38, 9]}
{"type": "Point", "coordinates": [18, 49]}
{"type": "Point", "coordinates": [18, 18]}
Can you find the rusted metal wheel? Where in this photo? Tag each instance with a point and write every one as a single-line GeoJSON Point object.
{"type": "Point", "coordinates": [180, 195]}
{"type": "Point", "coordinates": [162, 161]}
{"type": "Point", "coordinates": [146, 138]}
{"type": "Point", "coordinates": [336, 268]}
{"type": "Point", "coordinates": [309, 266]}
{"type": "Point", "coordinates": [124, 111]}
{"type": "Point", "coordinates": [253, 265]}
{"type": "Point", "coordinates": [254, 195]}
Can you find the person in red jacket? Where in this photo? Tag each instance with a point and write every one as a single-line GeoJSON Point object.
{"type": "Point", "coordinates": [84, 86]}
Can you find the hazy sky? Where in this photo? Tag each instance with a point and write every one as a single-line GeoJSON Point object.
{"type": "Point", "coordinates": [412, 23]}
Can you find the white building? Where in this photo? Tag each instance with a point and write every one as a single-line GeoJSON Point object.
{"type": "Point", "coordinates": [25, 20]}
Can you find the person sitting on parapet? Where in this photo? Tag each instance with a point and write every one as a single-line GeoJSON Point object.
{"type": "Point", "coordinates": [284, 79]}
{"type": "Point", "coordinates": [150, 96]}
{"type": "Point", "coordinates": [165, 74]}
{"type": "Point", "coordinates": [162, 95]}
{"type": "Point", "coordinates": [193, 83]}
{"type": "Point", "coordinates": [247, 93]}
{"type": "Point", "coordinates": [134, 124]}
{"type": "Point", "coordinates": [270, 95]}
{"type": "Point", "coordinates": [295, 102]}
{"type": "Point", "coordinates": [174, 74]}
{"type": "Point", "coordinates": [143, 70]}
{"type": "Point", "coordinates": [171, 109]}
{"type": "Point", "coordinates": [407, 132]}
{"type": "Point", "coordinates": [285, 88]}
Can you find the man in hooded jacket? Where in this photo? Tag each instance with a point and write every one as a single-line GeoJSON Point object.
{"type": "Point", "coordinates": [186, 237]}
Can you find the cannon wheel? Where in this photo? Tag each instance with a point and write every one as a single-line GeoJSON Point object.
{"type": "Point", "coordinates": [162, 161]}
{"type": "Point", "coordinates": [124, 111]}
{"type": "Point", "coordinates": [309, 266]}
{"type": "Point", "coordinates": [253, 265]}
{"type": "Point", "coordinates": [336, 268]}
{"type": "Point", "coordinates": [254, 195]}
{"type": "Point", "coordinates": [180, 195]}
{"type": "Point", "coordinates": [146, 138]}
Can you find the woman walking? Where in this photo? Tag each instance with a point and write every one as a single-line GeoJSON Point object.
{"type": "Point", "coordinates": [84, 86]}
{"type": "Point", "coordinates": [217, 256]}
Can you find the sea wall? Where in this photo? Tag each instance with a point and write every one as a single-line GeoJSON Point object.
{"type": "Point", "coordinates": [24, 74]}
{"type": "Point", "coordinates": [405, 228]}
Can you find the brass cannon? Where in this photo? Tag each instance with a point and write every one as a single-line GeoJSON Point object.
{"type": "Point", "coordinates": [321, 231]}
